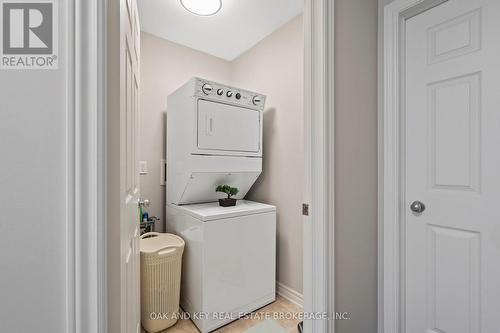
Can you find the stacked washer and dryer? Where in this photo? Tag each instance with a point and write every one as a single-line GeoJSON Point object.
{"type": "Point", "coordinates": [214, 137]}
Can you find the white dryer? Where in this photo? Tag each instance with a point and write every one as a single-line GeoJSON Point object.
{"type": "Point", "coordinates": [214, 137]}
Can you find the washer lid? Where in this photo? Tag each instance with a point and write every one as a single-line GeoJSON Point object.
{"type": "Point", "coordinates": [212, 211]}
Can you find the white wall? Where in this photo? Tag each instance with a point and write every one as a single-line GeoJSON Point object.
{"type": "Point", "coordinates": [274, 67]}
{"type": "Point", "coordinates": [33, 193]}
{"type": "Point", "coordinates": [165, 66]}
{"type": "Point", "coordinates": [356, 164]}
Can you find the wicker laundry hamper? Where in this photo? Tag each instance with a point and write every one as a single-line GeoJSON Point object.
{"type": "Point", "coordinates": [161, 262]}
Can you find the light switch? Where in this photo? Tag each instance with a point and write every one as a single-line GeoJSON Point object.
{"type": "Point", "coordinates": [143, 167]}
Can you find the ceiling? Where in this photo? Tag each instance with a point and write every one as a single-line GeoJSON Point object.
{"type": "Point", "coordinates": [238, 26]}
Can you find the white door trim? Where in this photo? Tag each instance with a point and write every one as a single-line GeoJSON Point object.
{"type": "Point", "coordinates": [391, 155]}
{"type": "Point", "coordinates": [87, 310]}
{"type": "Point", "coordinates": [319, 284]}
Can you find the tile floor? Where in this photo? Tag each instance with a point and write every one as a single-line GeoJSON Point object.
{"type": "Point", "coordinates": [281, 305]}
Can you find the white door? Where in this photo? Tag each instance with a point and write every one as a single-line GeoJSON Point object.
{"type": "Point", "coordinates": [129, 157]}
{"type": "Point", "coordinates": [228, 128]}
{"type": "Point", "coordinates": [452, 148]}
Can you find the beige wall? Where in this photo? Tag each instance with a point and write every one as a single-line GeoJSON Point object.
{"type": "Point", "coordinates": [356, 164]}
{"type": "Point", "coordinates": [275, 68]}
{"type": "Point", "coordinates": [165, 66]}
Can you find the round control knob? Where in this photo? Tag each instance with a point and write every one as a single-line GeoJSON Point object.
{"type": "Point", "coordinates": [220, 92]}
{"type": "Point", "coordinates": [256, 100]}
{"type": "Point", "coordinates": [238, 95]}
{"type": "Point", "coordinates": [207, 89]}
{"type": "Point", "coordinates": [229, 93]}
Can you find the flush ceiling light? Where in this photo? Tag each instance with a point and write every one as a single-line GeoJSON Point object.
{"type": "Point", "coordinates": [202, 7]}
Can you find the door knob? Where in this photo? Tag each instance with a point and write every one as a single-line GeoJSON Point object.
{"type": "Point", "coordinates": [417, 207]}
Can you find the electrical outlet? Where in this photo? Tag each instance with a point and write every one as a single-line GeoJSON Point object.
{"type": "Point", "coordinates": [143, 167]}
{"type": "Point", "coordinates": [163, 172]}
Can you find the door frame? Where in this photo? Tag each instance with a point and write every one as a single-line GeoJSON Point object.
{"type": "Point", "coordinates": [319, 130]}
{"type": "Point", "coordinates": [391, 221]}
{"type": "Point", "coordinates": [86, 200]}
{"type": "Point", "coordinates": [89, 309]}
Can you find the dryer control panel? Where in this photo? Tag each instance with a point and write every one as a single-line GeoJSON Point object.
{"type": "Point", "coordinates": [220, 92]}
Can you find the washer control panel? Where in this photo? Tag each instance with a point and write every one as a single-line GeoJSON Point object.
{"type": "Point", "coordinates": [218, 91]}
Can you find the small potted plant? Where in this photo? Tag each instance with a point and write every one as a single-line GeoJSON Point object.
{"type": "Point", "coordinates": [230, 191]}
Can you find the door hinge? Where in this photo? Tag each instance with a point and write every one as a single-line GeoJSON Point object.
{"type": "Point", "coordinates": [305, 209]}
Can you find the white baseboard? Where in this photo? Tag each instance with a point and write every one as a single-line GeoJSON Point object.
{"type": "Point", "coordinates": [289, 294]}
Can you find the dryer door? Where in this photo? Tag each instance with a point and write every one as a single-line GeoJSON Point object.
{"type": "Point", "coordinates": [227, 128]}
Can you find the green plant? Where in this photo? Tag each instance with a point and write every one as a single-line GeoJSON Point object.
{"type": "Point", "coordinates": [230, 191]}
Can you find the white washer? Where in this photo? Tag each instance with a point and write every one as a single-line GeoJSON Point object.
{"type": "Point", "coordinates": [229, 263]}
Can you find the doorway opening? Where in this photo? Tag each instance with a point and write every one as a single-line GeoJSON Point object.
{"type": "Point", "coordinates": [174, 153]}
